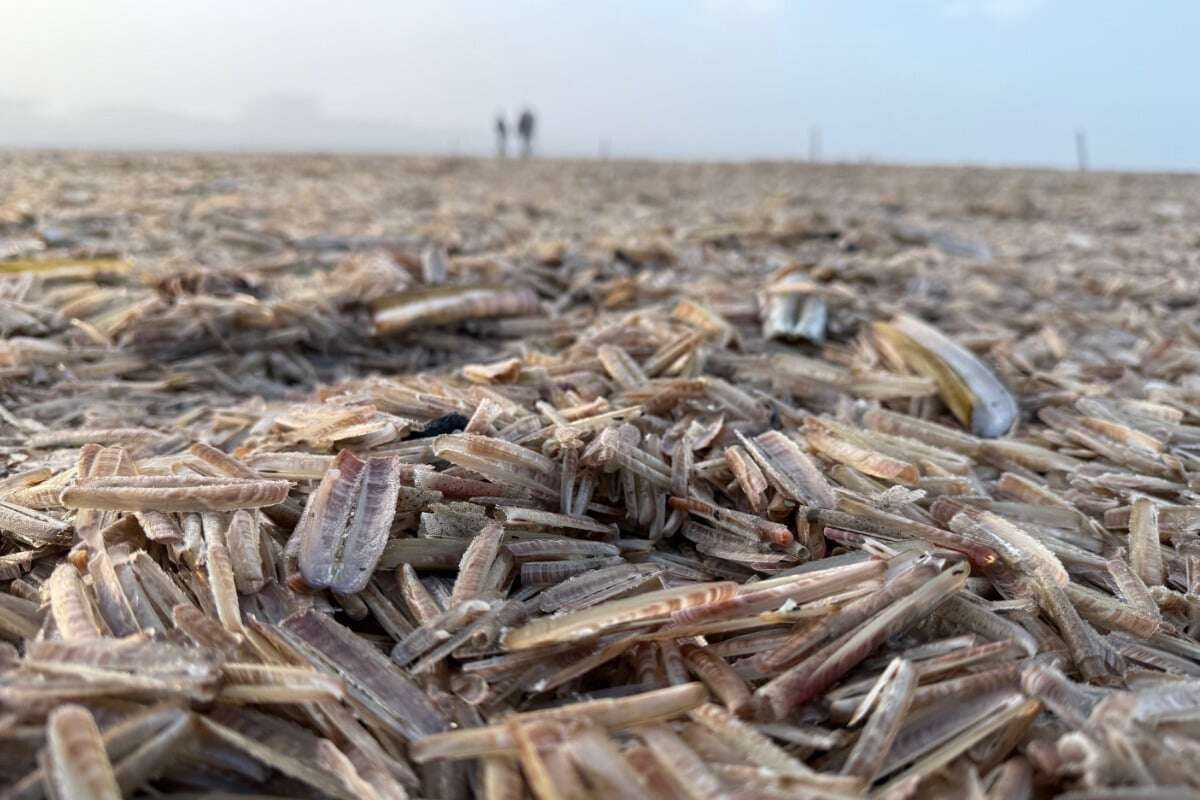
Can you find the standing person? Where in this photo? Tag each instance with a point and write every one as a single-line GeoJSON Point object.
{"type": "Point", "coordinates": [501, 137]}
{"type": "Point", "coordinates": [525, 124]}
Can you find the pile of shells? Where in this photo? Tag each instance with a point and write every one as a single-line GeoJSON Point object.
{"type": "Point", "coordinates": [779, 506]}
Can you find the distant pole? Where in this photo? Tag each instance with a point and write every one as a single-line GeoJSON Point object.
{"type": "Point", "coordinates": [605, 149]}
{"type": "Point", "coordinates": [1081, 153]}
{"type": "Point", "coordinates": [814, 143]}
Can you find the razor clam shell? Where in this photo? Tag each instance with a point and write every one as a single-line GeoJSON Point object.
{"type": "Point", "coordinates": [221, 581]}
{"type": "Point", "coordinates": [287, 764]}
{"type": "Point", "coordinates": [602, 764]}
{"type": "Point", "coordinates": [111, 601]}
{"type": "Point", "coordinates": [552, 573]}
{"type": "Point", "coordinates": [160, 527]}
{"type": "Point", "coordinates": [260, 684]}
{"type": "Point", "coordinates": [803, 681]}
{"type": "Point", "coordinates": [684, 765]}
{"type": "Point", "coordinates": [476, 561]}
{"type": "Point", "coordinates": [32, 527]}
{"type": "Point", "coordinates": [367, 674]}
{"type": "Point", "coordinates": [880, 732]}
{"type": "Point", "coordinates": [522, 517]}
{"type": "Point", "coordinates": [156, 756]}
{"type": "Point", "coordinates": [754, 746]}
{"type": "Point", "coordinates": [790, 469]}
{"type": "Point", "coordinates": [422, 553]}
{"type": "Point", "coordinates": [866, 461]}
{"type": "Point", "coordinates": [1145, 555]}
{"type": "Point", "coordinates": [611, 714]}
{"type": "Point", "coordinates": [443, 306]}
{"type": "Point", "coordinates": [993, 409]}
{"type": "Point", "coordinates": [591, 622]}
{"type": "Point", "coordinates": [555, 548]}
{"type": "Point", "coordinates": [163, 493]}
{"type": "Point", "coordinates": [343, 538]}
{"type": "Point", "coordinates": [79, 765]}
{"type": "Point", "coordinates": [749, 476]}
{"type": "Point", "coordinates": [71, 605]}
{"type": "Point", "coordinates": [242, 539]}
{"type": "Point", "coordinates": [596, 586]}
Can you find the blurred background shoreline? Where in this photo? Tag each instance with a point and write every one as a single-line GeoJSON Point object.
{"type": "Point", "coordinates": [1000, 83]}
{"type": "Point", "coordinates": [233, 154]}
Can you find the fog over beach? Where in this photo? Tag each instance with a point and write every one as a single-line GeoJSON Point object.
{"type": "Point", "coordinates": [997, 82]}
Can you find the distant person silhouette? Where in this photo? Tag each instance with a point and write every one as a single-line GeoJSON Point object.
{"type": "Point", "coordinates": [501, 137]}
{"type": "Point", "coordinates": [525, 125]}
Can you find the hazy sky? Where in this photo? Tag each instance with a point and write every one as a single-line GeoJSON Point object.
{"type": "Point", "coordinates": [990, 81]}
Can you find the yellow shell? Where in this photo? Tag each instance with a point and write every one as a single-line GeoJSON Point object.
{"type": "Point", "coordinates": [953, 390]}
